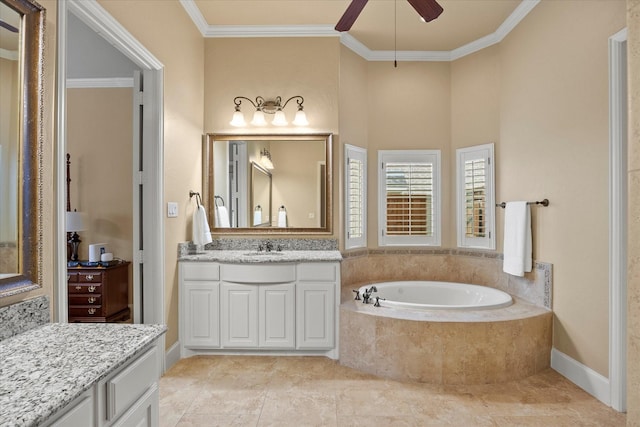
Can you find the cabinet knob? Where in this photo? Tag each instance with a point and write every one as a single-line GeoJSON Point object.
{"type": "Point", "coordinates": [91, 300]}
{"type": "Point", "coordinates": [68, 277]}
{"type": "Point", "coordinates": [78, 288]}
{"type": "Point", "coordinates": [89, 276]}
{"type": "Point", "coordinates": [91, 288]}
{"type": "Point", "coordinates": [91, 311]}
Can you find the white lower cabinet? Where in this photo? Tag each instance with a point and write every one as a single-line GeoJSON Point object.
{"type": "Point", "coordinates": [126, 397]}
{"type": "Point", "coordinates": [239, 310]}
{"type": "Point", "coordinates": [253, 307]}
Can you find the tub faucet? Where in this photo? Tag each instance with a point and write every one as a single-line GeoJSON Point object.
{"type": "Point", "coordinates": [357, 292]}
{"type": "Point", "coordinates": [366, 295]}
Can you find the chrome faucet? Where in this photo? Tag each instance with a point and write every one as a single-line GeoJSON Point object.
{"type": "Point", "coordinates": [366, 295]}
{"type": "Point", "coordinates": [269, 246]}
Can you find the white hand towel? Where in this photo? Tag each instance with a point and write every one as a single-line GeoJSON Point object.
{"type": "Point", "coordinates": [517, 239]}
{"type": "Point", "coordinates": [201, 234]}
{"type": "Point", "coordinates": [257, 217]}
{"type": "Point", "coordinates": [222, 217]}
{"type": "Point", "coordinates": [282, 218]}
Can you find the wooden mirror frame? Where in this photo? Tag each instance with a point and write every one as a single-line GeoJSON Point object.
{"type": "Point", "coordinates": [31, 124]}
{"type": "Point", "coordinates": [207, 182]}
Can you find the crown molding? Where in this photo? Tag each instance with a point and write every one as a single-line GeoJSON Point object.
{"type": "Point", "coordinates": [110, 82]}
{"type": "Point", "coordinates": [222, 31]}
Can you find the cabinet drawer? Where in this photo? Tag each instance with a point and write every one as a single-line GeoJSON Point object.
{"type": "Point", "coordinates": [78, 413]}
{"type": "Point", "coordinates": [72, 277]}
{"type": "Point", "coordinates": [85, 311]}
{"type": "Point", "coordinates": [85, 288]}
{"type": "Point", "coordinates": [90, 277]}
{"type": "Point", "coordinates": [131, 383]}
{"type": "Point", "coordinates": [258, 273]}
{"type": "Point", "coordinates": [200, 271]}
{"type": "Point", "coordinates": [318, 271]}
{"type": "Point", "coordinates": [85, 299]}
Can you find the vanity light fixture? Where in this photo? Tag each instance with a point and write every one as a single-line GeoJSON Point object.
{"type": "Point", "coordinates": [265, 159]}
{"type": "Point", "coordinates": [274, 107]}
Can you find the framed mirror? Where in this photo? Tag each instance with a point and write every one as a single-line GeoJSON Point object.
{"type": "Point", "coordinates": [21, 68]}
{"type": "Point", "coordinates": [288, 176]}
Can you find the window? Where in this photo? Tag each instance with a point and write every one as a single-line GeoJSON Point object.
{"type": "Point", "coordinates": [409, 197]}
{"type": "Point", "coordinates": [476, 197]}
{"type": "Point", "coordinates": [355, 197]}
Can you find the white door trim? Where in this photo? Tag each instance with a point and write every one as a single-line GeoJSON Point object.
{"type": "Point", "coordinates": [97, 18]}
{"type": "Point", "coordinates": [618, 220]}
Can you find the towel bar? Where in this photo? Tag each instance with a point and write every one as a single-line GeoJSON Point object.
{"type": "Point", "coordinates": [544, 202]}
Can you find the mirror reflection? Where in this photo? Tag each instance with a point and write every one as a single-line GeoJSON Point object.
{"type": "Point", "coordinates": [268, 182]}
{"type": "Point", "coordinates": [9, 140]}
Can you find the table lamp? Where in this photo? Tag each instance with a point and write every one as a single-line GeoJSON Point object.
{"type": "Point", "coordinates": [75, 221]}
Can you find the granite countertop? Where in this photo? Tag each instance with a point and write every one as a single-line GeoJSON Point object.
{"type": "Point", "coordinates": [249, 256]}
{"type": "Point", "coordinates": [44, 369]}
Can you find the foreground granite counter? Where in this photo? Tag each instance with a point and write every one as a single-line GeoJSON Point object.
{"type": "Point", "coordinates": [255, 257]}
{"type": "Point", "coordinates": [46, 368]}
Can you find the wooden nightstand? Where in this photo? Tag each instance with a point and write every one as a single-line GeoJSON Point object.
{"type": "Point", "coordinates": [98, 294]}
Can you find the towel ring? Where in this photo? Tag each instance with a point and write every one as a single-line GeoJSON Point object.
{"type": "Point", "coordinates": [215, 200]}
{"type": "Point", "coordinates": [198, 199]}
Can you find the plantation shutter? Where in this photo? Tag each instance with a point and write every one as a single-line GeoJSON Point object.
{"type": "Point", "coordinates": [355, 197]}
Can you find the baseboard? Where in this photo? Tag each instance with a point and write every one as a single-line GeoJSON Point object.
{"type": "Point", "coordinates": [172, 356]}
{"type": "Point", "coordinates": [582, 376]}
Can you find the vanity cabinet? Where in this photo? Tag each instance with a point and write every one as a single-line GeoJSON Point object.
{"type": "Point", "coordinates": [200, 304]}
{"type": "Point", "coordinates": [268, 307]}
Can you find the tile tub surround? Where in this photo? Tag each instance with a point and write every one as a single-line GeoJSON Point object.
{"type": "Point", "coordinates": [46, 368]}
{"type": "Point", "coordinates": [22, 316]}
{"type": "Point", "coordinates": [448, 265]}
{"type": "Point", "coordinates": [446, 346]}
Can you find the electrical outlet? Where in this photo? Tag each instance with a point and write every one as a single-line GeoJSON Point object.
{"type": "Point", "coordinates": [172, 209]}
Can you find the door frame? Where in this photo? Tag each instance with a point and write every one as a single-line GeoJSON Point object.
{"type": "Point", "coordinates": [98, 19]}
{"type": "Point", "coordinates": [618, 175]}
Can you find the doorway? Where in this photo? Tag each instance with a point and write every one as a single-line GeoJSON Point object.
{"type": "Point", "coordinates": [146, 172]}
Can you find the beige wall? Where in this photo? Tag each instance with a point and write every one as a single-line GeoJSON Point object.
{"type": "Point", "coordinates": [99, 140]}
{"type": "Point", "coordinates": [554, 143]}
{"type": "Point", "coordinates": [409, 108]}
{"type": "Point", "coordinates": [633, 275]}
{"type": "Point", "coordinates": [165, 29]}
{"type": "Point", "coordinates": [271, 67]}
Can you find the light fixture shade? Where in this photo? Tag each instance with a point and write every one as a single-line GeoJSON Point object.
{"type": "Point", "coordinates": [280, 119]}
{"type": "Point", "coordinates": [258, 119]}
{"type": "Point", "coordinates": [266, 162]}
{"type": "Point", "coordinates": [76, 221]}
{"type": "Point", "coordinates": [238, 119]}
{"type": "Point", "coordinates": [301, 118]}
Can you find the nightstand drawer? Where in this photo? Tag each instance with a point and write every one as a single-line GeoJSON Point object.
{"type": "Point", "coordinates": [90, 277]}
{"type": "Point", "coordinates": [85, 311]}
{"type": "Point", "coordinates": [72, 277]}
{"type": "Point", "coordinates": [90, 299]}
{"type": "Point", "coordinates": [85, 288]}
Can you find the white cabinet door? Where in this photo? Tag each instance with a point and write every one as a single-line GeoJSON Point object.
{"type": "Point", "coordinates": [239, 309]}
{"type": "Point", "coordinates": [315, 309]}
{"type": "Point", "coordinates": [200, 310]}
{"type": "Point", "coordinates": [277, 316]}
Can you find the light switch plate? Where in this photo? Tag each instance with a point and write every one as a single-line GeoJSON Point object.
{"type": "Point", "coordinates": [172, 209]}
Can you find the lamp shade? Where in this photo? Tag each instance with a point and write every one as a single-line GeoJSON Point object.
{"type": "Point", "coordinates": [280, 119]}
{"type": "Point", "coordinates": [258, 119]}
{"type": "Point", "coordinates": [300, 119]}
{"type": "Point", "coordinates": [76, 221]}
{"type": "Point", "coordinates": [238, 119]}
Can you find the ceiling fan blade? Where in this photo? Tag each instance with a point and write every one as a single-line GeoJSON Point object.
{"type": "Point", "coordinates": [350, 15]}
{"type": "Point", "coordinates": [427, 9]}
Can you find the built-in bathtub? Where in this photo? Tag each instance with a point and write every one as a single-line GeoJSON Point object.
{"type": "Point", "coordinates": [429, 295]}
{"type": "Point", "coordinates": [439, 345]}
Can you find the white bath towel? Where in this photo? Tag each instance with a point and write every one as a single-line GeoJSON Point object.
{"type": "Point", "coordinates": [222, 217]}
{"type": "Point", "coordinates": [517, 239]}
{"type": "Point", "coordinates": [282, 218]}
{"type": "Point", "coordinates": [201, 234]}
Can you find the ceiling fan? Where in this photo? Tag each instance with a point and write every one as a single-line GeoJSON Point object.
{"type": "Point", "coordinates": [427, 9]}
